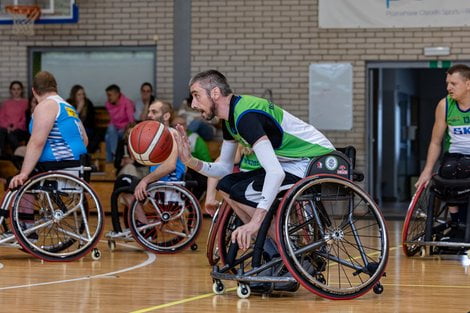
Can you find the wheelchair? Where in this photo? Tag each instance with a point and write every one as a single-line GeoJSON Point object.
{"type": "Point", "coordinates": [167, 221]}
{"type": "Point", "coordinates": [331, 238]}
{"type": "Point", "coordinates": [427, 230]}
{"type": "Point", "coordinates": [55, 216]}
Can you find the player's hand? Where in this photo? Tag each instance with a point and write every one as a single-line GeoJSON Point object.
{"type": "Point", "coordinates": [184, 147]}
{"type": "Point", "coordinates": [211, 207]}
{"type": "Point", "coordinates": [18, 180]}
{"type": "Point", "coordinates": [243, 234]}
{"type": "Point", "coordinates": [423, 179]}
{"type": "Point", "coordinates": [140, 191]}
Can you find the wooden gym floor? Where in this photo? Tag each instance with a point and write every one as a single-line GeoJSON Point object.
{"type": "Point", "coordinates": [132, 280]}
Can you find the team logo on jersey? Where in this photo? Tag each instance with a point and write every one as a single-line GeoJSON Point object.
{"type": "Point", "coordinates": [331, 163]}
{"type": "Point", "coordinates": [71, 112]}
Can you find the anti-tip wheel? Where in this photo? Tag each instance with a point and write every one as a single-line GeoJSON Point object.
{"type": "Point", "coordinates": [111, 245]}
{"type": "Point", "coordinates": [243, 291]}
{"type": "Point", "coordinates": [378, 288]}
{"type": "Point", "coordinates": [194, 246]}
{"type": "Point", "coordinates": [218, 288]}
{"type": "Point", "coordinates": [96, 254]}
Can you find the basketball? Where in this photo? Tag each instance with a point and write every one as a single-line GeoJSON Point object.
{"type": "Point", "coordinates": [150, 142]}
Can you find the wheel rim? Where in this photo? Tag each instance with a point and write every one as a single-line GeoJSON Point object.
{"type": "Point", "coordinates": [334, 237]}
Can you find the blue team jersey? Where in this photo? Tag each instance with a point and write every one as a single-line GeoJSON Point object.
{"type": "Point", "coordinates": [65, 141]}
{"type": "Point", "coordinates": [176, 175]}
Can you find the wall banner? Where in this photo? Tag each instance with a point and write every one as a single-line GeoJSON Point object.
{"type": "Point", "coordinates": [393, 13]}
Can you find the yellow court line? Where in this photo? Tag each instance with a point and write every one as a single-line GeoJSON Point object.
{"type": "Point", "coordinates": [161, 306]}
{"type": "Point", "coordinates": [207, 295]}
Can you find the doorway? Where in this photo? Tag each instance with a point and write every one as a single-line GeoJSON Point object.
{"type": "Point", "coordinates": [402, 99]}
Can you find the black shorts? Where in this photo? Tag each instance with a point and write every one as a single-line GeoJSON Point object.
{"type": "Point", "coordinates": [455, 166]}
{"type": "Point", "coordinates": [246, 187]}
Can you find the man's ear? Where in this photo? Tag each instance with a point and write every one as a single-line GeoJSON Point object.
{"type": "Point", "coordinates": [215, 93]}
{"type": "Point", "coordinates": [167, 117]}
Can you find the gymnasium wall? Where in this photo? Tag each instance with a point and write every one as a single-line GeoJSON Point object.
{"type": "Point", "coordinates": [258, 44]}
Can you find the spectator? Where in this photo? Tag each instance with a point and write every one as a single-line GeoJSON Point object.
{"type": "Point", "coordinates": [13, 118]}
{"type": "Point", "coordinates": [121, 113]}
{"type": "Point", "coordinates": [142, 105]}
{"type": "Point", "coordinates": [86, 112]}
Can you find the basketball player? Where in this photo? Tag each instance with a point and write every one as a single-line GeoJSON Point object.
{"type": "Point", "coordinates": [57, 134]}
{"type": "Point", "coordinates": [452, 121]}
{"type": "Point", "coordinates": [282, 143]}
{"type": "Point", "coordinates": [172, 169]}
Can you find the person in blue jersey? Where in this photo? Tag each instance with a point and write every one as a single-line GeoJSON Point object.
{"type": "Point", "coordinates": [282, 143]}
{"type": "Point", "coordinates": [451, 127]}
{"type": "Point", "coordinates": [57, 134]}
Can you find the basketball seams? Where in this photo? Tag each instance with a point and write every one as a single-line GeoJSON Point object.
{"type": "Point", "coordinates": [153, 144]}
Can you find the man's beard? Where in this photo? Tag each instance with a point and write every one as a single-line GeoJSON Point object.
{"type": "Point", "coordinates": [209, 116]}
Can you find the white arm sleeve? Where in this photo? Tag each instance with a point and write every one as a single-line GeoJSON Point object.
{"type": "Point", "coordinates": [274, 173]}
{"type": "Point", "coordinates": [224, 165]}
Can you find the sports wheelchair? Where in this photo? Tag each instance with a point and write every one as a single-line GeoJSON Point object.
{"type": "Point", "coordinates": [427, 229]}
{"type": "Point", "coordinates": [55, 216]}
{"type": "Point", "coordinates": [331, 238]}
{"type": "Point", "coordinates": [171, 212]}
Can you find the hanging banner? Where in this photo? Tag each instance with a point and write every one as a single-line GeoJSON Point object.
{"type": "Point", "coordinates": [393, 13]}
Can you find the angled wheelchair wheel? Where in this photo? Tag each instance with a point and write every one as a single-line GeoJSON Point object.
{"type": "Point", "coordinates": [57, 217]}
{"type": "Point", "coordinates": [332, 237]}
{"type": "Point", "coordinates": [167, 221]}
{"type": "Point", "coordinates": [212, 246]}
{"type": "Point", "coordinates": [419, 226]}
{"type": "Point", "coordinates": [414, 226]}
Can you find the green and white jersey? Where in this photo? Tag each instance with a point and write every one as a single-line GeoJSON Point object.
{"type": "Point", "coordinates": [300, 141]}
{"type": "Point", "coordinates": [457, 139]}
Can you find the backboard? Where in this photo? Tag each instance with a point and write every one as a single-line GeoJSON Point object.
{"type": "Point", "coordinates": [52, 11]}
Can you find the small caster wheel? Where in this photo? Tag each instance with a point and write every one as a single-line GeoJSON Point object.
{"type": "Point", "coordinates": [218, 287]}
{"type": "Point", "coordinates": [378, 288]}
{"type": "Point", "coordinates": [422, 252]}
{"type": "Point", "coordinates": [96, 254]}
{"type": "Point", "coordinates": [194, 247]}
{"type": "Point", "coordinates": [243, 291]}
{"type": "Point", "coordinates": [112, 245]}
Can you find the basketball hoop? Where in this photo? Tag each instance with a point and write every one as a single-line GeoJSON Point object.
{"type": "Point", "coordinates": [23, 17]}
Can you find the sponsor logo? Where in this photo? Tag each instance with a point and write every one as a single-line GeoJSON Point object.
{"type": "Point", "coordinates": [461, 130]}
{"type": "Point", "coordinates": [331, 163]}
{"type": "Point", "coordinates": [319, 164]}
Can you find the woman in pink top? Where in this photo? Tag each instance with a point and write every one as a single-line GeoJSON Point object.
{"type": "Point", "coordinates": [13, 118]}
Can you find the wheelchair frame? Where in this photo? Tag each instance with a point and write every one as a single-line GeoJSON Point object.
{"type": "Point", "coordinates": [426, 220]}
{"type": "Point", "coordinates": [181, 209]}
{"type": "Point", "coordinates": [310, 241]}
{"type": "Point", "coordinates": [61, 202]}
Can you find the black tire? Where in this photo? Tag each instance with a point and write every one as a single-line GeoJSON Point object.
{"type": "Point", "coordinates": [173, 219]}
{"type": "Point", "coordinates": [332, 237]}
{"type": "Point", "coordinates": [50, 217]}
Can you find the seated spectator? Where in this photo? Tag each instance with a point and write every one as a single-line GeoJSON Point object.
{"type": "Point", "coordinates": [142, 105]}
{"type": "Point", "coordinates": [13, 118]}
{"type": "Point", "coordinates": [121, 113]}
{"type": "Point", "coordinates": [86, 112]}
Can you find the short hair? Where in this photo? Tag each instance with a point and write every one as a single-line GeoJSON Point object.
{"type": "Point", "coordinates": [210, 79]}
{"type": "Point", "coordinates": [113, 87]}
{"type": "Point", "coordinates": [462, 69]}
{"type": "Point", "coordinates": [167, 107]}
{"type": "Point", "coordinates": [44, 82]}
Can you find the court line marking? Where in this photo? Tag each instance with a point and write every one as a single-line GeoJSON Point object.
{"type": "Point", "coordinates": [151, 257]}
{"type": "Point", "coordinates": [207, 295]}
{"type": "Point", "coordinates": [166, 305]}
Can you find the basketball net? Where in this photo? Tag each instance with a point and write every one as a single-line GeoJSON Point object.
{"type": "Point", "coordinates": [23, 17]}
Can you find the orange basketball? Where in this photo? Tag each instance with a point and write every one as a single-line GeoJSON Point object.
{"type": "Point", "coordinates": [150, 142]}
